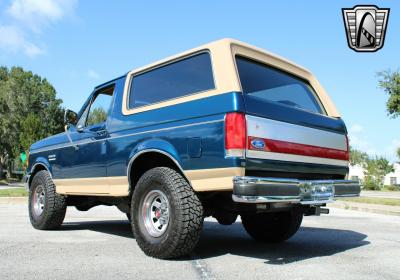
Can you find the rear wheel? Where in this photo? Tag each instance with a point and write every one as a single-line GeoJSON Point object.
{"type": "Point", "coordinates": [167, 216]}
{"type": "Point", "coordinates": [46, 207]}
{"type": "Point", "coordinates": [272, 227]}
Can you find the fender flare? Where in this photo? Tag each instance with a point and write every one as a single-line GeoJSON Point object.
{"type": "Point", "coordinates": [39, 162]}
{"type": "Point", "coordinates": [158, 146]}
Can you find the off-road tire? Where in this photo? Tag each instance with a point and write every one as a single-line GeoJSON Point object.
{"type": "Point", "coordinates": [55, 205]}
{"type": "Point", "coordinates": [185, 214]}
{"type": "Point", "coordinates": [272, 227]}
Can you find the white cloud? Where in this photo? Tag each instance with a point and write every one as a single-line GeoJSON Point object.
{"type": "Point", "coordinates": [25, 16]}
{"type": "Point", "coordinates": [93, 74]}
{"type": "Point", "coordinates": [356, 128]}
{"type": "Point", "coordinates": [35, 14]}
{"type": "Point", "coordinates": [13, 40]}
{"type": "Point", "coordinates": [359, 141]}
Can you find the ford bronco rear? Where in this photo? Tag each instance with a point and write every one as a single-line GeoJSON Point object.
{"type": "Point", "coordinates": [222, 130]}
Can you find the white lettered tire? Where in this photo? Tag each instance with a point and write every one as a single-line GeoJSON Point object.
{"type": "Point", "coordinates": [46, 208]}
{"type": "Point", "coordinates": [167, 216]}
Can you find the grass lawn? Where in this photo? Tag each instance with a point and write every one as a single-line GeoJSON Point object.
{"type": "Point", "coordinates": [374, 200]}
{"type": "Point", "coordinates": [13, 192]}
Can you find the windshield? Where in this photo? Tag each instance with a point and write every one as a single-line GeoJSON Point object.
{"type": "Point", "coordinates": [273, 85]}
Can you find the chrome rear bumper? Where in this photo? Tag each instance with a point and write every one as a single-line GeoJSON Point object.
{"type": "Point", "coordinates": [313, 192]}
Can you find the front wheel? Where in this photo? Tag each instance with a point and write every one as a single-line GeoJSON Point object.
{"type": "Point", "coordinates": [167, 216]}
{"type": "Point", "coordinates": [272, 227]}
{"type": "Point", "coordinates": [46, 207]}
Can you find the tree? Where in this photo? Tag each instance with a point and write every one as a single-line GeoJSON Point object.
{"type": "Point", "coordinates": [32, 129]}
{"type": "Point", "coordinates": [390, 83]}
{"type": "Point", "coordinates": [376, 169]}
{"type": "Point", "coordinates": [357, 157]}
{"type": "Point", "coordinates": [398, 153]}
{"type": "Point", "coordinates": [29, 111]}
{"type": "Point", "coordinates": [97, 115]}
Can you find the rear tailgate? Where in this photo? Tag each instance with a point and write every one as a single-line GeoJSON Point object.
{"type": "Point", "coordinates": [289, 133]}
{"type": "Point", "coordinates": [296, 141]}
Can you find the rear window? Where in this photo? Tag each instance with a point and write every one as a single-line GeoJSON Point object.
{"type": "Point", "coordinates": [187, 76]}
{"type": "Point", "coordinates": [273, 85]}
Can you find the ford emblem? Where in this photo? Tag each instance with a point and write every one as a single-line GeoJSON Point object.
{"type": "Point", "coordinates": [258, 144]}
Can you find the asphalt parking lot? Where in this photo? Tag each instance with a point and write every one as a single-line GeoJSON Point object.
{"type": "Point", "coordinates": [98, 244]}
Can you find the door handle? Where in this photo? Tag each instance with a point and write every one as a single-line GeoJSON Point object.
{"type": "Point", "coordinates": [101, 133]}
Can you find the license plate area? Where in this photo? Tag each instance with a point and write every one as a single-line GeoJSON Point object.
{"type": "Point", "coordinates": [317, 191]}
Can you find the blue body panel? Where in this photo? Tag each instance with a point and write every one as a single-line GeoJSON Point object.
{"type": "Point", "coordinates": [192, 133]}
{"type": "Point", "coordinates": [281, 112]}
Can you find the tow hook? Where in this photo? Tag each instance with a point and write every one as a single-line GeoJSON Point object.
{"type": "Point", "coordinates": [316, 211]}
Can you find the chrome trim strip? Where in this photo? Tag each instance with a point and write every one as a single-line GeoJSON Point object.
{"type": "Point", "coordinates": [263, 199]}
{"type": "Point", "coordinates": [294, 158]}
{"type": "Point", "coordinates": [166, 128]}
{"type": "Point", "coordinates": [83, 142]}
{"type": "Point", "coordinates": [266, 199]}
{"type": "Point", "coordinates": [288, 132]}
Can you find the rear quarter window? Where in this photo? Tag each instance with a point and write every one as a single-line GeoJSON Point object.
{"type": "Point", "coordinates": [184, 77]}
{"type": "Point", "coordinates": [270, 84]}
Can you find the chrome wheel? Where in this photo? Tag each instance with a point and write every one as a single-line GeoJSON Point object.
{"type": "Point", "coordinates": [155, 213]}
{"type": "Point", "coordinates": [39, 199]}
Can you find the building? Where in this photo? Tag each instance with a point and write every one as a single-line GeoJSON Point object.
{"type": "Point", "coordinates": [393, 178]}
{"type": "Point", "coordinates": [356, 172]}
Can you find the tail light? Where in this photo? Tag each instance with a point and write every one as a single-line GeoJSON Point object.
{"type": "Point", "coordinates": [235, 134]}
{"type": "Point", "coordinates": [347, 155]}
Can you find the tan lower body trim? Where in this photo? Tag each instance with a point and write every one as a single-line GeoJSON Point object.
{"type": "Point", "coordinates": [216, 179]}
{"type": "Point", "coordinates": [99, 186]}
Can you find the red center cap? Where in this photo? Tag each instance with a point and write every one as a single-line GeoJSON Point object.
{"type": "Point", "coordinates": [158, 214]}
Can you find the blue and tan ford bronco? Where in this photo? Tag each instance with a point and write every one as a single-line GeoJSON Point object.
{"type": "Point", "coordinates": [222, 130]}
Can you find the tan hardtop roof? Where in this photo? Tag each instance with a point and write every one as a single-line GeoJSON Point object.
{"type": "Point", "coordinates": [226, 75]}
{"type": "Point", "coordinates": [225, 43]}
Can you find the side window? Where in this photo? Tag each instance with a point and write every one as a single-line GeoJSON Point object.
{"type": "Point", "coordinates": [184, 77]}
{"type": "Point", "coordinates": [97, 111]}
{"type": "Point", "coordinates": [82, 119]}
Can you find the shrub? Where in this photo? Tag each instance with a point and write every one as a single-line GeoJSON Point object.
{"type": "Point", "coordinates": [371, 184]}
{"type": "Point", "coordinates": [392, 188]}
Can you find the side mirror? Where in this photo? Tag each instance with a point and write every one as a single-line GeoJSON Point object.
{"type": "Point", "coordinates": [70, 117]}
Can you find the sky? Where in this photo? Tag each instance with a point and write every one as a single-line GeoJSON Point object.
{"type": "Point", "coordinates": [77, 45]}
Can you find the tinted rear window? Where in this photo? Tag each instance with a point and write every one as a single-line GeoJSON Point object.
{"type": "Point", "coordinates": [184, 77]}
{"type": "Point", "coordinates": [270, 84]}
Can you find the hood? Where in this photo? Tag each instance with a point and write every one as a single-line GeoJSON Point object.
{"type": "Point", "coordinates": [53, 140]}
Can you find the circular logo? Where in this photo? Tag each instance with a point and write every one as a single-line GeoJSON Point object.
{"type": "Point", "coordinates": [258, 144]}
